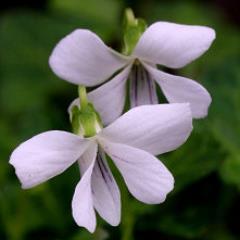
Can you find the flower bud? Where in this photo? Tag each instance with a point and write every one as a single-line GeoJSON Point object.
{"type": "Point", "coordinates": [133, 29]}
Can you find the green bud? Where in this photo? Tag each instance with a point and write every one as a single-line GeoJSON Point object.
{"type": "Point", "coordinates": [86, 122]}
{"type": "Point", "coordinates": [133, 29]}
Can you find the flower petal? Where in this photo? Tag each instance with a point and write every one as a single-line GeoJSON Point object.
{"type": "Point", "coordinates": [106, 195]}
{"type": "Point", "coordinates": [146, 177]}
{"type": "Point", "coordinates": [108, 99]}
{"type": "Point", "coordinates": [82, 58]}
{"type": "Point", "coordinates": [153, 128]}
{"type": "Point", "coordinates": [179, 89]}
{"type": "Point", "coordinates": [142, 87]}
{"type": "Point", "coordinates": [82, 203]}
{"type": "Point", "coordinates": [46, 155]}
{"type": "Point", "coordinates": [173, 45]}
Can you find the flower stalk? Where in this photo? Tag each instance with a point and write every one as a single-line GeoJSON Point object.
{"type": "Point", "coordinates": [82, 92]}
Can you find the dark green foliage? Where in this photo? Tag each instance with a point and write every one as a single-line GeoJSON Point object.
{"type": "Point", "coordinates": [205, 202]}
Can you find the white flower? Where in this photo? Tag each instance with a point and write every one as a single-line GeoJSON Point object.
{"type": "Point", "coordinates": [82, 58]}
{"type": "Point", "coordinates": [131, 141]}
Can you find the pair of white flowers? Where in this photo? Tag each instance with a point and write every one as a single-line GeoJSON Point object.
{"type": "Point", "coordinates": [131, 140]}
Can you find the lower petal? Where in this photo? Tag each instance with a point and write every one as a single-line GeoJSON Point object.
{"type": "Point", "coordinates": [146, 177]}
{"type": "Point", "coordinates": [106, 195]}
{"type": "Point", "coordinates": [82, 203]}
{"type": "Point", "coordinates": [142, 87]}
{"type": "Point", "coordinates": [179, 89]}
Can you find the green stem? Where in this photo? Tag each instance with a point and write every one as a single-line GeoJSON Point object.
{"type": "Point", "coordinates": [128, 218]}
{"type": "Point", "coordinates": [128, 225]}
{"type": "Point", "coordinates": [99, 234]}
{"type": "Point", "coordinates": [82, 92]}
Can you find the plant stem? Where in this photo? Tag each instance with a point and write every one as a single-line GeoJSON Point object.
{"type": "Point", "coordinates": [128, 218]}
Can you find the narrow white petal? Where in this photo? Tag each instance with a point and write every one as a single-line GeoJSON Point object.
{"type": "Point", "coordinates": [173, 45]}
{"type": "Point", "coordinates": [179, 89]}
{"type": "Point", "coordinates": [46, 155]}
{"type": "Point", "coordinates": [108, 99]}
{"type": "Point", "coordinates": [154, 128]}
{"type": "Point", "coordinates": [82, 58]}
{"type": "Point", "coordinates": [142, 87]}
{"type": "Point", "coordinates": [106, 195]}
{"type": "Point", "coordinates": [82, 203]}
{"type": "Point", "coordinates": [146, 177]}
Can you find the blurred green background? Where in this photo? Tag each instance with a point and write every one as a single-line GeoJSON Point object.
{"type": "Point", "coordinates": [205, 202]}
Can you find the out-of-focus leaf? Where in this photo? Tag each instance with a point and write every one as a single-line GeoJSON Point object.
{"type": "Point", "coordinates": [223, 82]}
{"type": "Point", "coordinates": [197, 158]}
{"type": "Point", "coordinates": [15, 208]}
{"type": "Point", "coordinates": [27, 40]}
{"type": "Point", "coordinates": [220, 233]}
{"type": "Point", "coordinates": [100, 16]}
{"type": "Point", "coordinates": [230, 170]}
